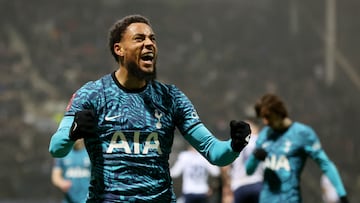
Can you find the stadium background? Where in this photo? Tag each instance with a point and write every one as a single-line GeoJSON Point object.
{"type": "Point", "coordinates": [222, 54]}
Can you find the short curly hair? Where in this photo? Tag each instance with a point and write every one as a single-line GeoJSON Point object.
{"type": "Point", "coordinates": [116, 32]}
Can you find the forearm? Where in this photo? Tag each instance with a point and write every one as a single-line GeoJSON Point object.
{"type": "Point", "coordinates": [59, 181]}
{"type": "Point", "coordinates": [56, 177]}
{"type": "Point", "coordinates": [217, 152]}
{"type": "Point", "coordinates": [60, 144]}
{"type": "Point", "coordinates": [251, 165]}
{"type": "Point", "coordinates": [225, 176]}
{"type": "Point", "coordinates": [330, 170]}
{"type": "Point", "coordinates": [333, 174]}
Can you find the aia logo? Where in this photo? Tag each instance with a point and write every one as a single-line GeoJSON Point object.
{"type": "Point", "coordinates": [70, 102]}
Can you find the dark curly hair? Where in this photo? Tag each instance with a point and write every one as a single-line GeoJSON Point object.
{"type": "Point", "coordinates": [116, 32]}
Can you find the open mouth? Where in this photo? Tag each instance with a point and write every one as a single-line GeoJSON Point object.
{"type": "Point", "coordinates": [147, 56]}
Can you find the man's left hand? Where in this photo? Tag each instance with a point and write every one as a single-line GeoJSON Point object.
{"type": "Point", "coordinates": [240, 135]}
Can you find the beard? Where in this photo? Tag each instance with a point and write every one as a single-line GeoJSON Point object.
{"type": "Point", "coordinates": [135, 70]}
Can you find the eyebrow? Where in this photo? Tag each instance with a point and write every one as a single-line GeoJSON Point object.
{"type": "Point", "coordinates": [141, 34]}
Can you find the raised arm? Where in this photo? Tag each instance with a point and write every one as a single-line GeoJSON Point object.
{"type": "Point", "coordinates": [217, 152]}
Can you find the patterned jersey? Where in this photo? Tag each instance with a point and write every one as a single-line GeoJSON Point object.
{"type": "Point", "coordinates": [134, 138]}
{"type": "Point", "coordinates": [287, 154]}
{"type": "Point", "coordinates": [76, 168]}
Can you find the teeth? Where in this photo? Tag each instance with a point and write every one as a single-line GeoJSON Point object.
{"type": "Point", "coordinates": [149, 55]}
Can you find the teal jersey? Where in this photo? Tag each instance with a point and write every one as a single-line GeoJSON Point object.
{"type": "Point", "coordinates": [134, 138]}
{"type": "Point", "coordinates": [76, 168]}
{"type": "Point", "coordinates": [287, 155]}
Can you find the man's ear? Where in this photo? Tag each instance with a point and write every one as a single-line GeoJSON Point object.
{"type": "Point", "coordinates": [118, 49]}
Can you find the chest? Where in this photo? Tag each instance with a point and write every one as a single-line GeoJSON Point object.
{"type": "Point", "coordinates": [76, 160]}
{"type": "Point", "coordinates": [134, 112]}
{"type": "Point", "coordinates": [286, 145]}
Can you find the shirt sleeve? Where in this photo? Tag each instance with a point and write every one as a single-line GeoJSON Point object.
{"type": "Point", "coordinates": [58, 163]}
{"type": "Point", "coordinates": [217, 152]}
{"type": "Point", "coordinates": [60, 143]}
{"type": "Point", "coordinates": [252, 162]}
{"type": "Point", "coordinates": [316, 152]}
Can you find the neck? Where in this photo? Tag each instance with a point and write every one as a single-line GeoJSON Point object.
{"type": "Point", "coordinates": [128, 81]}
{"type": "Point", "coordinates": [287, 122]}
{"type": "Point", "coordinates": [284, 125]}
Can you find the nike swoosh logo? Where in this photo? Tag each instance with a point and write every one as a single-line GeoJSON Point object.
{"type": "Point", "coordinates": [109, 118]}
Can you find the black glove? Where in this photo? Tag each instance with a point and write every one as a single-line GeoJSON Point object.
{"type": "Point", "coordinates": [84, 125]}
{"type": "Point", "coordinates": [240, 135]}
{"type": "Point", "coordinates": [272, 179]}
{"type": "Point", "coordinates": [344, 199]}
{"type": "Point", "coordinates": [260, 154]}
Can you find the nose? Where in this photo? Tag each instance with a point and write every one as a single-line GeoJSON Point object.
{"type": "Point", "coordinates": [149, 43]}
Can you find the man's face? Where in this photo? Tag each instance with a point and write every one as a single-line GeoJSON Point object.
{"type": "Point", "coordinates": [140, 51]}
{"type": "Point", "coordinates": [273, 120]}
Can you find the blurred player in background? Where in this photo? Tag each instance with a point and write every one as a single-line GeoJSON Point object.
{"type": "Point", "coordinates": [195, 171]}
{"type": "Point", "coordinates": [238, 186]}
{"type": "Point", "coordinates": [71, 174]}
{"type": "Point", "coordinates": [329, 194]}
{"type": "Point", "coordinates": [128, 120]}
{"type": "Point", "coordinates": [284, 146]}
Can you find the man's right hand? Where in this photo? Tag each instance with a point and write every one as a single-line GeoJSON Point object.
{"type": "Point", "coordinates": [260, 154]}
{"type": "Point", "coordinates": [84, 125]}
{"type": "Point", "coordinates": [344, 199]}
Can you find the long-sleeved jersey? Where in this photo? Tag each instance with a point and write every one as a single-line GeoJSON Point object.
{"type": "Point", "coordinates": [134, 136]}
{"type": "Point", "coordinates": [287, 154]}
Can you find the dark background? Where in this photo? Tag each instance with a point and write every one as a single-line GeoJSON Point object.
{"type": "Point", "coordinates": [222, 54]}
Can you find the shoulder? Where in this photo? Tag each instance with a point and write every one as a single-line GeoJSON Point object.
{"type": "Point", "coordinates": [302, 128]}
{"type": "Point", "coordinates": [168, 91]}
{"type": "Point", "coordinates": [304, 134]}
{"type": "Point", "coordinates": [88, 95]}
{"type": "Point", "coordinates": [183, 156]}
{"type": "Point", "coordinates": [164, 87]}
{"type": "Point", "coordinates": [96, 85]}
{"type": "Point", "coordinates": [263, 134]}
